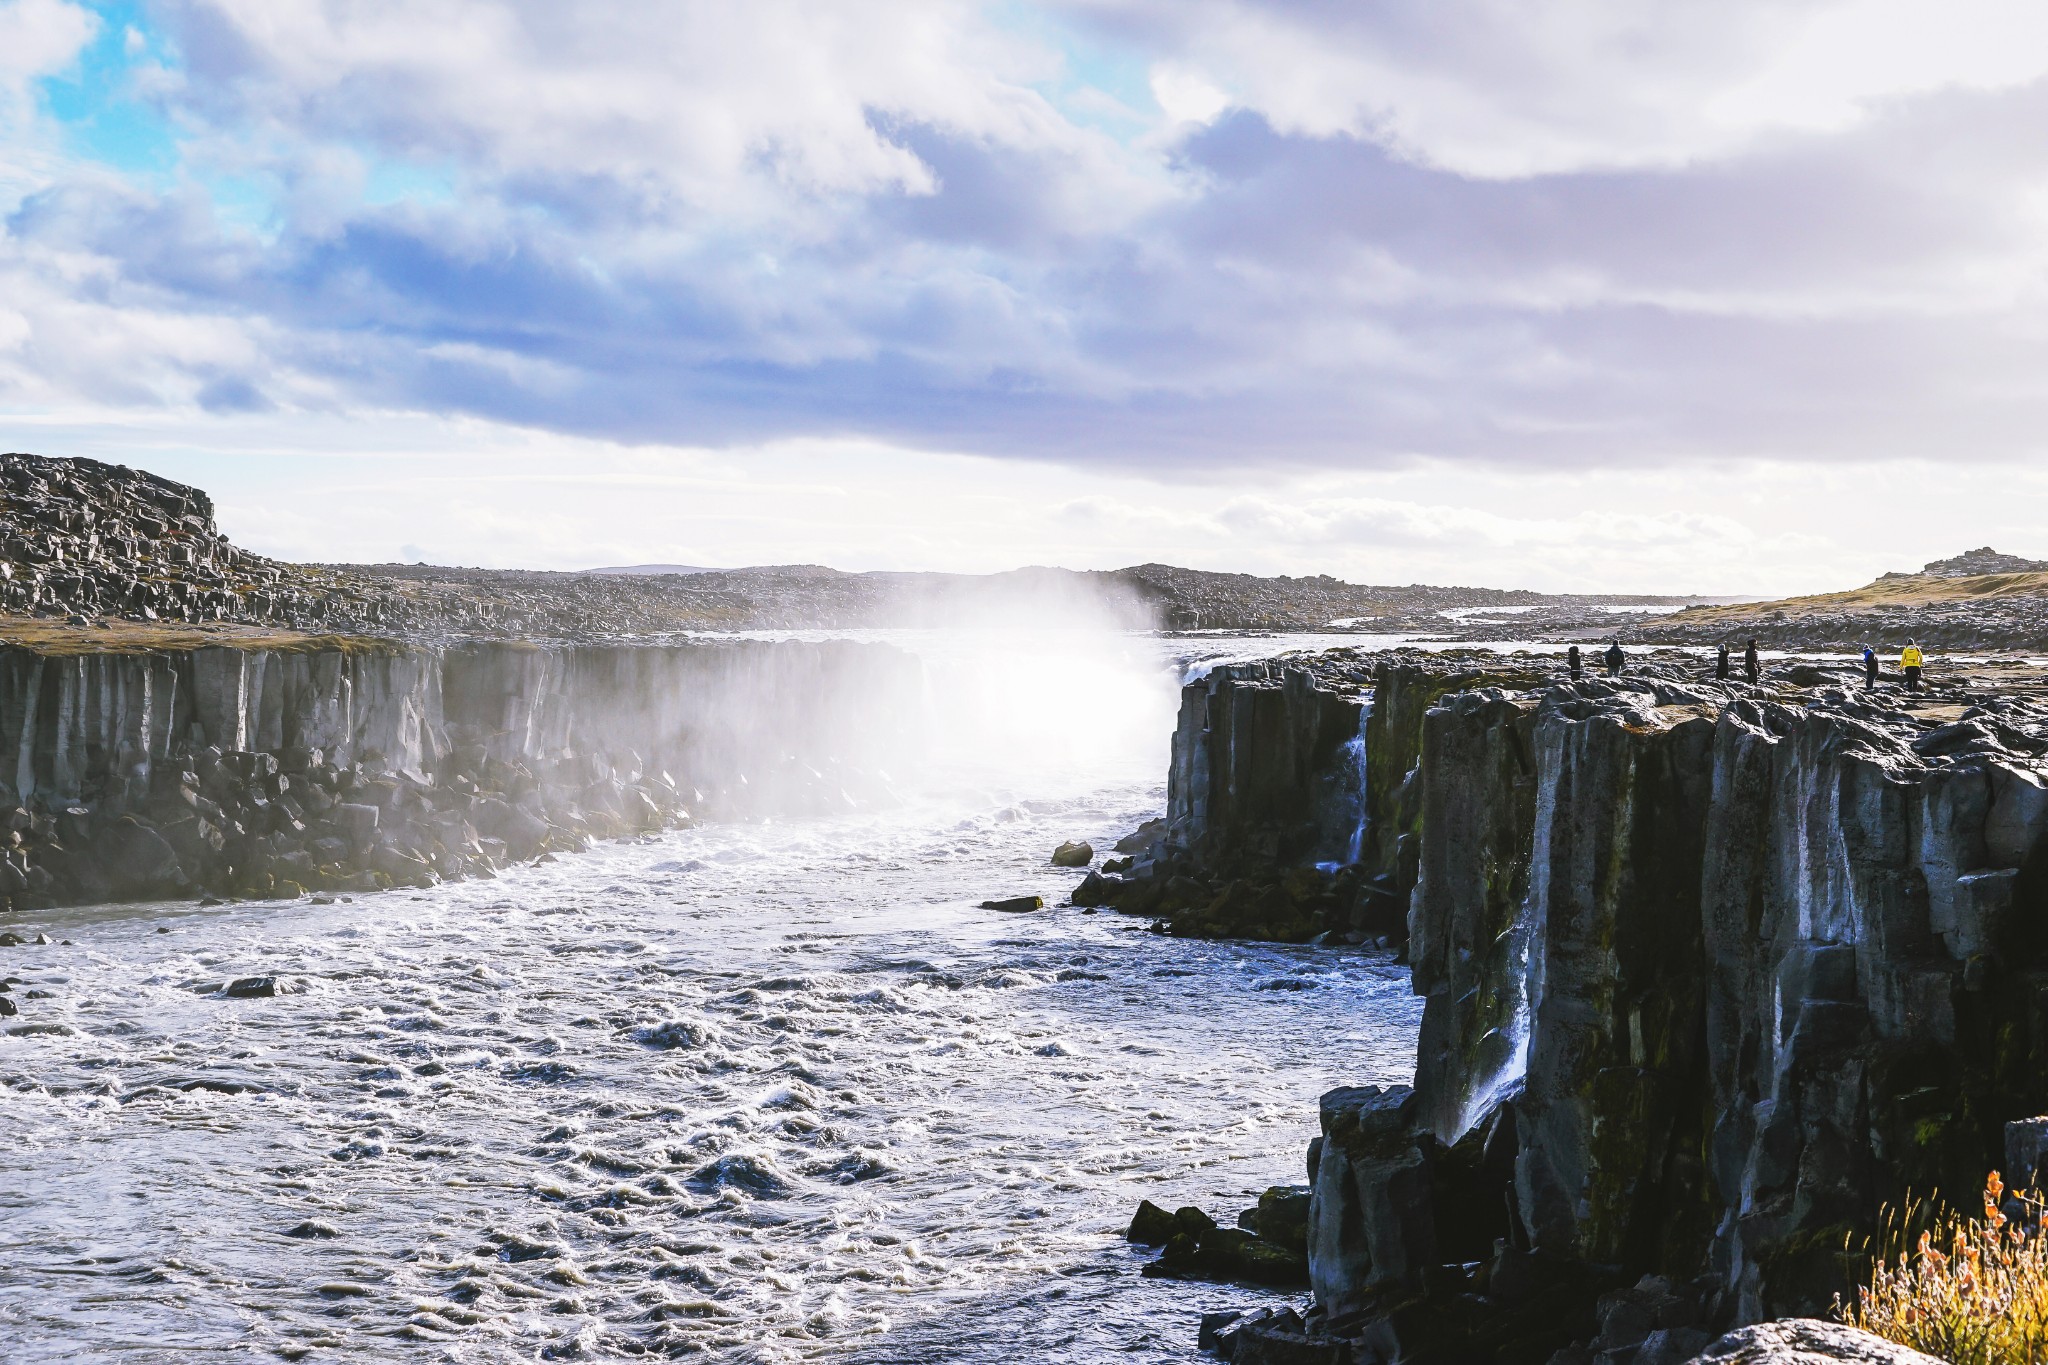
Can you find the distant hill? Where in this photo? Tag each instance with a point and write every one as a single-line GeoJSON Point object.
{"type": "Point", "coordinates": [652, 570]}
{"type": "Point", "coordinates": [1982, 561]}
{"type": "Point", "coordinates": [1977, 600]}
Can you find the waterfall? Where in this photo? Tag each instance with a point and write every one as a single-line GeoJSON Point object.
{"type": "Point", "coordinates": [1350, 781]}
{"type": "Point", "coordinates": [1503, 1060]}
{"type": "Point", "coordinates": [1354, 750]}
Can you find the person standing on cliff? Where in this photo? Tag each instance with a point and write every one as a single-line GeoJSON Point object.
{"type": "Point", "coordinates": [1911, 661]}
{"type": "Point", "coordinates": [1721, 665]}
{"type": "Point", "coordinates": [1614, 658]}
{"type": "Point", "coordinates": [1751, 664]}
{"type": "Point", "coordinates": [1869, 668]}
{"type": "Point", "coordinates": [1573, 662]}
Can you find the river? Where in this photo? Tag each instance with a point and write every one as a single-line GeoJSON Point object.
{"type": "Point", "coordinates": [769, 1092]}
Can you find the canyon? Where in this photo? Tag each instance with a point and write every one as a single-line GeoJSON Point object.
{"type": "Point", "coordinates": [1709, 972]}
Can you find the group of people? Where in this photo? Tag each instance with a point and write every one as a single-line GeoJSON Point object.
{"type": "Point", "coordinates": [1911, 663]}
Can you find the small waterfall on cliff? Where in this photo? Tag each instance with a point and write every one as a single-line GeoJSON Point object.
{"type": "Point", "coordinates": [1352, 799]}
{"type": "Point", "coordinates": [1354, 750]}
{"type": "Point", "coordinates": [1503, 1059]}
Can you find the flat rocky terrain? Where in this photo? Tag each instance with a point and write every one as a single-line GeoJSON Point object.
{"type": "Point", "coordinates": [135, 556]}
{"type": "Point", "coordinates": [139, 560]}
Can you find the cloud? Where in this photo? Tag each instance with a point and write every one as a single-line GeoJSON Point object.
{"type": "Point", "coordinates": [1504, 88]}
{"type": "Point", "coordinates": [1315, 235]}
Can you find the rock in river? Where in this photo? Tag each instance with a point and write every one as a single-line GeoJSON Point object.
{"type": "Point", "coordinates": [1016, 905]}
{"type": "Point", "coordinates": [1072, 854]}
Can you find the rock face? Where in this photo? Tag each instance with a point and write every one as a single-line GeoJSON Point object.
{"type": "Point", "coordinates": [1277, 825]}
{"type": "Point", "coordinates": [350, 767]}
{"type": "Point", "coordinates": [1260, 759]}
{"type": "Point", "coordinates": [1709, 975]}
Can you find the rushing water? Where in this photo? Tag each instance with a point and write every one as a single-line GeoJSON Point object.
{"type": "Point", "coordinates": [755, 1092]}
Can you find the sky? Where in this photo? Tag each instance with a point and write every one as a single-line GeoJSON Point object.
{"type": "Point", "coordinates": [1718, 296]}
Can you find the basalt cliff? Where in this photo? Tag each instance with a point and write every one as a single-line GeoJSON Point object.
{"type": "Point", "coordinates": [1711, 973]}
{"type": "Point", "coordinates": [338, 766]}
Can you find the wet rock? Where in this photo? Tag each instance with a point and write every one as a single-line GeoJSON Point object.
{"type": "Point", "coordinates": [313, 1228]}
{"type": "Point", "coordinates": [1098, 890]}
{"type": "Point", "coordinates": [1281, 1216]}
{"type": "Point", "coordinates": [673, 1033]}
{"type": "Point", "coordinates": [1280, 1337]}
{"type": "Point", "coordinates": [1072, 854]}
{"type": "Point", "coordinates": [250, 988]}
{"type": "Point", "coordinates": [1016, 905]}
{"type": "Point", "coordinates": [1143, 838]}
{"type": "Point", "coordinates": [1807, 1341]}
{"type": "Point", "coordinates": [1151, 1226]}
{"type": "Point", "coordinates": [748, 1174]}
{"type": "Point", "coordinates": [1194, 1246]}
{"type": "Point", "coordinates": [8, 1009]}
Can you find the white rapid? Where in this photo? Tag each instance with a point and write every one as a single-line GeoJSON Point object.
{"type": "Point", "coordinates": [746, 1092]}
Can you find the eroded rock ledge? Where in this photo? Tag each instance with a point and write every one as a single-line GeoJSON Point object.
{"type": "Point", "coordinates": [1711, 973]}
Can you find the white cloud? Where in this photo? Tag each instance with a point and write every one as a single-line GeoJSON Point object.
{"type": "Point", "coordinates": [1186, 95]}
{"type": "Point", "coordinates": [1510, 88]}
{"type": "Point", "coordinates": [38, 38]}
{"type": "Point", "coordinates": [710, 118]}
{"type": "Point", "coordinates": [1515, 240]}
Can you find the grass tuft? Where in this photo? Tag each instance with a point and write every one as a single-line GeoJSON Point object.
{"type": "Point", "coordinates": [1969, 1289]}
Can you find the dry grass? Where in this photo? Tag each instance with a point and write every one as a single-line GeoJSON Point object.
{"type": "Point", "coordinates": [1969, 1290]}
{"type": "Point", "coordinates": [47, 635]}
{"type": "Point", "coordinates": [1913, 590]}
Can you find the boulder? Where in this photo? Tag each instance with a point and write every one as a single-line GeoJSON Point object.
{"type": "Point", "coordinates": [137, 861]}
{"type": "Point", "coordinates": [1807, 1341]}
{"type": "Point", "coordinates": [1195, 1247]}
{"type": "Point", "coordinates": [1281, 1216]}
{"type": "Point", "coordinates": [1073, 854]}
{"type": "Point", "coordinates": [1096, 890]}
{"type": "Point", "coordinates": [1143, 837]}
{"type": "Point", "coordinates": [1151, 1226]}
{"type": "Point", "coordinates": [1016, 905]}
{"type": "Point", "coordinates": [357, 823]}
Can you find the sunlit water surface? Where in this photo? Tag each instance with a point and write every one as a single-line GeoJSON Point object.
{"type": "Point", "coordinates": [746, 1092]}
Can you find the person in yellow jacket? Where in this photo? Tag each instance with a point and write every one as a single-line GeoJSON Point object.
{"type": "Point", "coordinates": [1910, 663]}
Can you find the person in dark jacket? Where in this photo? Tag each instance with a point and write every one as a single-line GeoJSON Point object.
{"type": "Point", "coordinates": [1572, 661]}
{"type": "Point", "coordinates": [1869, 668]}
{"type": "Point", "coordinates": [1614, 658]}
{"type": "Point", "coordinates": [1752, 665]}
{"type": "Point", "coordinates": [1721, 665]}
